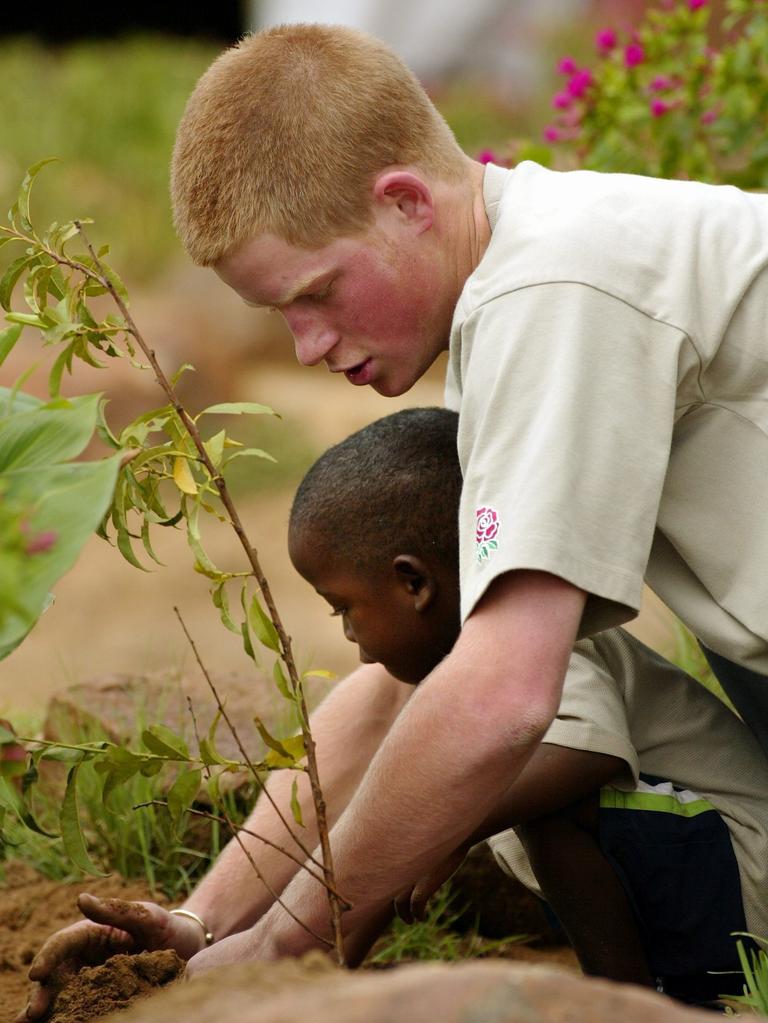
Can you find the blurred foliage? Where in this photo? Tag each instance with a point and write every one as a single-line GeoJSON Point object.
{"type": "Point", "coordinates": [109, 110]}
{"type": "Point", "coordinates": [684, 94]}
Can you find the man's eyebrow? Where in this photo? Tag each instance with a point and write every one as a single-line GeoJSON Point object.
{"type": "Point", "coordinates": [305, 284]}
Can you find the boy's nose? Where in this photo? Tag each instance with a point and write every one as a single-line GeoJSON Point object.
{"type": "Point", "coordinates": [348, 633]}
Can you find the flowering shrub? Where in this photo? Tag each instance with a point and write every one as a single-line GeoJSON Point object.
{"type": "Point", "coordinates": [684, 94]}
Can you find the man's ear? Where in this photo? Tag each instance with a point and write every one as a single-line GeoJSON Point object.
{"type": "Point", "coordinates": [407, 195]}
{"type": "Point", "coordinates": [417, 579]}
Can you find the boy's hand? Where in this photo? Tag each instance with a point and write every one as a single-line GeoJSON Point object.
{"type": "Point", "coordinates": [113, 926]}
{"type": "Point", "coordinates": [411, 905]}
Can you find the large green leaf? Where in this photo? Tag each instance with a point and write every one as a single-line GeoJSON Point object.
{"type": "Point", "coordinates": [59, 503]}
{"type": "Point", "coordinates": [47, 434]}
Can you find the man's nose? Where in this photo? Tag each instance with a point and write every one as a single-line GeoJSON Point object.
{"type": "Point", "coordinates": [313, 339]}
{"type": "Point", "coordinates": [348, 633]}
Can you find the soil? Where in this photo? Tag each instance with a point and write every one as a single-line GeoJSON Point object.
{"type": "Point", "coordinates": [96, 991]}
{"type": "Point", "coordinates": [32, 908]}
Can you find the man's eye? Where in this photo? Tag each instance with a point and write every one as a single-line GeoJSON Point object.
{"type": "Point", "coordinates": [338, 612]}
{"type": "Point", "coordinates": [319, 296]}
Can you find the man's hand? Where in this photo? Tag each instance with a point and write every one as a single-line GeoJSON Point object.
{"type": "Point", "coordinates": [112, 926]}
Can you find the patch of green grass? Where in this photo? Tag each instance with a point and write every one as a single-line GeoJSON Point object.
{"type": "Point", "coordinates": [109, 110]}
{"type": "Point", "coordinates": [123, 837]}
{"type": "Point", "coordinates": [435, 937]}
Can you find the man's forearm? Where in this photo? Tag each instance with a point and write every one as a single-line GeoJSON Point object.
{"type": "Point", "coordinates": [348, 728]}
{"type": "Point", "coordinates": [447, 761]}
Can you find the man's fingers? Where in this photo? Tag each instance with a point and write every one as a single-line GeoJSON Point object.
{"type": "Point", "coordinates": [83, 942]}
{"type": "Point", "coordinates": [39, 1002]}
{"type": "Point", "coordinates": [133, 918]}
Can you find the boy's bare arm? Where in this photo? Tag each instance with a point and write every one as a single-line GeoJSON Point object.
{"type": "Point", "coordinates": [447, 761]}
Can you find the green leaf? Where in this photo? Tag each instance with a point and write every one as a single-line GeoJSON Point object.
{"type": "Point", "coordinates": [282, 752]}
{"type": "Point", "coordinates": [251, 453]}
{"type": "Point", "coordinates": [203, 563]}
{"type": "Point", "coordinates": [71, 833]}
{"type": "Point", "coordinates": [11, 798]}
{"type": "Point", "coordinates": [8, 339]}
{"type": "Point", "coordinates": [295, 804]}
{"type": "Point", "coordinates": [262, 626]}
{"type": "Point", "coordinates": [12, 274]}
{"type": "Point", "coordinates": [236, 408]}
{"type": "Point", "coordinates": [22, 203]}
{"type": "Point", "coordinates": [319, 673]}
{"type": "Point", "coordinates": [49, 433]}
{"type": "Point", "coordinates": [118, 766]}
{"type": "Point", "coordinates": [281, 681]}
{"type": "Point", "coordinates": [214, 446]}
{"type": "Point", "coordinates": [126, 548]}
{"type": "Point", "coordinates": [165, 743]}
{"type": "Point", "coordinates": [208, 751]}
{"type": "Point", "coordinates": [182, 794]}
{"type": "Point", "coordinates": [182, 369]}
{"type": "Point", "coordinates": [221, 601]}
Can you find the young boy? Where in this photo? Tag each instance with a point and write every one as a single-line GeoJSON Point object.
{"type": "Point", "coordinates": [642, 812]}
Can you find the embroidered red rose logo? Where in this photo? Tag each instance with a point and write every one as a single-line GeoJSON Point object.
{"type": "Point", "coordinates": [486, 530]}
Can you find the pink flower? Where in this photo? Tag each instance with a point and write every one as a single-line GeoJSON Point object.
{"type": "Point", "coordinates": [486, 524]}
{"type": "Point", "coordinates": [634, 54]}
{"type": "Point", "coordinates": [551, 133]}
{"type": "Point", "coordinates": [659, 107]}
{"type": "Point", "coordinates": [562, 101]}
{"type": "Point", "coordinates": [605, 40]}
{"type": "Point", "coordinates": [579, 84]}
{"type": "Point", "coordinates": [486, 156]}
{"type": "Point", "coordinates": [709, 116]}
{"type": "Point", "coordinates": [660, 83]}
{"type": "Point", "coordinates": [567, 66]}
{"type": "Point", "coordinates": [41, 543]}
{"type": "Point", "coordinates": [694, 5]}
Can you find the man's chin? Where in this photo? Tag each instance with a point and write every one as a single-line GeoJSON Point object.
{"type": "Point", "coordinates": [390, 389]}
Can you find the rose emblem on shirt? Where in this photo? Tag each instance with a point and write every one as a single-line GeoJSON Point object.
{"type": "Point", "coordinates": [486, 530]}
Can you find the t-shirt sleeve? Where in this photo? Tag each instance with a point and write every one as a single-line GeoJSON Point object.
{"type": "Point", "coordinates": [593, 712]}
{"type": "Point", "coordinates": [567, 408]}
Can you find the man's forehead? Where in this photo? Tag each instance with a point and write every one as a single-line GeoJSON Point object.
{"type": "Point", "coordinates": [269, 271]}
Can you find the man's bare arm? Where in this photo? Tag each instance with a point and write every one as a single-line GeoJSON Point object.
{"type": "Point", "coordinates": [348, 728]}
{"type": "Point", "coordinates": [449, 758]}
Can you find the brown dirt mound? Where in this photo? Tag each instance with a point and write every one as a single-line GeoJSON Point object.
{"type": "Point", "coordinates": [31, 909]}
{"type": "Point", "coordinates": [97, 990]}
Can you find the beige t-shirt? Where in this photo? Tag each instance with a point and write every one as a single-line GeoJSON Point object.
{"type": "Point", "coordinates": [622, 699]}
{"type": "Point", "coordinates": [609, 360]}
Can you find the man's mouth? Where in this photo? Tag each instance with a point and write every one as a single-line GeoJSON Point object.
{"type": "Point", "coordinates": [360, 374]}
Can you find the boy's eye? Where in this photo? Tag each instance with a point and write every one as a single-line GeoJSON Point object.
{"type": "Point", "coordinates": [338, 612]}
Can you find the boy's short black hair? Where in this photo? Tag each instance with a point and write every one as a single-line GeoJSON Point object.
{"type": "Point", "coordinates": [388, 489]}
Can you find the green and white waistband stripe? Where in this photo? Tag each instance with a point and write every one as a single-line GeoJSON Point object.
{"type": "Point", "coordinates": [663, 798]}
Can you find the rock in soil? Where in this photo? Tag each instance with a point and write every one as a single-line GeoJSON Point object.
{"type": "Point", "coordinates": [482, 991]}
{"type": "Point", "coordinates": [95, 991]}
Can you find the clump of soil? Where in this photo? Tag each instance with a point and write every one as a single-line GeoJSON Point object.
{"type": "Point", "coordinates": [31, 909]}
{"type": "Point", "coordinates": [95, 991]}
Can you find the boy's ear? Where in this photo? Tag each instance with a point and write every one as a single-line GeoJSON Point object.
{"type": "Point", "coordinates": [408, 195]}
{"type": "Point", "coordinates": [417, 579]}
